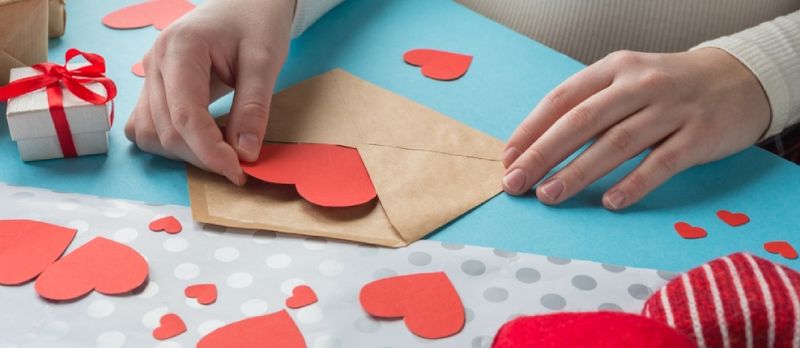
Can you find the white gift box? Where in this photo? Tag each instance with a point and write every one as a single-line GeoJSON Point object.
{"type": "Point", "coordinates": [32, 128]}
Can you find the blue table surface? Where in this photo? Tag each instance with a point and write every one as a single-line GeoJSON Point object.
{"type": "Point", "coordinates": [509, 75]}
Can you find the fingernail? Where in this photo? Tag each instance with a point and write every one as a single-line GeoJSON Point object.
{"type": "Point", "coordinates": [237, 180]}
{"type": "Point", "coordinates": [510, 155]}
{"type": "Point", "coordinates": [616, 199]}
{"type": "Point", "coordinates": [552, 188]}
{"type": "Point", "coordinates": [515, 180]}
{"type": "Point", "coordinates": [249, 143]}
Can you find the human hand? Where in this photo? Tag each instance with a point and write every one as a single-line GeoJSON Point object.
{"type": "Point", "coordinates": [690, 108]}
{"type": "Point", "coordinates": [218, 46]}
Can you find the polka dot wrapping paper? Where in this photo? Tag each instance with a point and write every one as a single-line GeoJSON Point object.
{"type": "Point", "coordinates": [256, 271]}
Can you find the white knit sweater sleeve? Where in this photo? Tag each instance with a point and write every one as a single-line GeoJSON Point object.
{"type": "Point", "coordinates": [308, 11]}
{"type": "Point", "coordinates": [771, 51]}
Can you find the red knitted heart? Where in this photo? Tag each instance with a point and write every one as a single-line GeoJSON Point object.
{"type": "Point", "coordinates": [739, 299]}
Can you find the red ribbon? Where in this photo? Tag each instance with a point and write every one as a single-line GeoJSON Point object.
{"type": "Point", "coordinates": [56, 77]}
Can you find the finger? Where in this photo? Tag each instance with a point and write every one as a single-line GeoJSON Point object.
{"type": "Point", "coordinates": [584, 122]}
{"type": "Point", "coordinates": [555, 104]}
{"type": "Point", "coordinates": [250, 111]}
{"type": "Point", "coordinates": [147, 137]}
{"type": "Point", "coordinates": [670, 158]}
{"type": "Point", "coordinates": [617, 145]}
{"type": "Point", "coordinates": [186, 81]}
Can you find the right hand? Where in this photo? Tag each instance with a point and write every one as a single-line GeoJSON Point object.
{"type": "Point", "coordinates": [219, 46]}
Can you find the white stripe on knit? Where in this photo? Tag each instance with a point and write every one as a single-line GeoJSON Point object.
{"type": "Point", "coordinates": [697, 325]}
{"type": "Point", "coordinates": [718, 308]}
{"type": "Point", "coordinates": [795, 305]}
{"type": "Point", "coordinates": [737, 283]}
{"type": "Point", "coordinates": [667, 307]}
{"type": "Point", "coordinates": [765, 292]}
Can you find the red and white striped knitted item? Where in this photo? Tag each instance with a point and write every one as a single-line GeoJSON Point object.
{"type": "Point", "coordinates": [738, 300]}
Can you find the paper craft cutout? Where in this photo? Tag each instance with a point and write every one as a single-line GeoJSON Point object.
{"type": "Point", "coordinates": [302, 295]}
{"type": "Point", "coordinates": [782, 248]}
{"type": "Point", "coordinates": [138, 69]}
{"type": "Point", "coordinates": [158, 13]}
{"type": "Point", "coordinates": [439, 65]}
{"type": "Point", "coordinates": [427, 302]}
{"type": "Point", "coordinates": [167, 224]}
{"type": "Point", "coordinates": [733, 219]}
{"type": "Point", "coordinates": [427, 168]}
{"type": "Point", "coordinates": [274, 330]}
{"type": "Point", "coordinates": [27, 247]}
{"type": "Point", "coordinates": [101, 264]}
{"type": "Point", "coordinates": [326, 175]}
{"type": "Point", "coordinates": [205, 294]}
{"type": "Point", "coordinates": [688, 231]}
{"type": "Point", "coordinates": [170, 325]}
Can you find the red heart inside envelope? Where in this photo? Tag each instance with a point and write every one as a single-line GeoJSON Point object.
{"type": "Point", "coordinates": [158, 13]}
{"type": "Point", "coordinates": [27, 247]}
{"type": "Point", "coordinates": [101, 264]}
{"type": "Point", "coordinates": [439, 65]}
{"type": "Point", "coordinates": [427, 302]}
{"type": "Point", "coordinates": [272, 330]}
{"type": "Point", "coordinates": [324, 174]}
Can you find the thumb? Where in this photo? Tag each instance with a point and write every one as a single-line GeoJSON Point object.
{"type": "Point", "coordinates": [255, 81]}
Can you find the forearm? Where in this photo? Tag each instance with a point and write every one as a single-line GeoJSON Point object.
{"type": "Point", "coordinates": [308, 11]}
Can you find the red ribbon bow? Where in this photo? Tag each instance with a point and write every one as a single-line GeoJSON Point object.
{"type": "Point", "coordinates": [53, 77]}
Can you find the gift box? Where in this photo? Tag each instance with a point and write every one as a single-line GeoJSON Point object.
{"type": "Point", "coordinates": [59, 111]}
{"type": "Point", "coordinates": [23, 34]}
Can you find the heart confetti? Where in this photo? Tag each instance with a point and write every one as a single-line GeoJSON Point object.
{"type": "Point", "coordinates": [171, 325]}
{"type": "Point", "coordinates": [27, 247]}
{"type": "Point", "coordinates": [158, 13]}
{"type": "Point", "coordinates": [782, 248]}
{"type": "Point", "coordinates": [688, 231]}
{"type": "Point", "coordinates": [439, 65]}
{"type": "Point", "coordinates": [302, 295]}
{"type": "Point", "coordinates": [733, 219]}
{"type": "Point", "coordinates": [205, 294]}
{"type": "Point", "coordinates": [167, 224]}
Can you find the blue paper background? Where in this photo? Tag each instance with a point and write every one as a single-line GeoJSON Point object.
{"type": "Point", "coordinates": [509, 75]}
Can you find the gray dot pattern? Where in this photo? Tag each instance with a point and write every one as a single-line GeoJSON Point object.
{"type": "Point", "coordinates": [610, 307]}
{"type": "Point", "coordinates": [367, 325]}
{"type": "Point", "coordinates": [452, 246]}
{"type": "Point", "coordinates": [473, 267]}
{"type": "Point", "coordinates": [613, 268]}
{"type": "Point", "coordinates": [419, 258]}
{"type": "Point", "coordinates": [666, 275]}
{"type": "Point", "coordinates": [553, 301]}
{"type": "Point", "coordinates": [584, 282]}
{"type": "Point", "coordinates": [528, 275]}
{"type": "Point", "coordinates": [495, 294]}
{"type": "Point", "coordinates": [558, 260]}
{"type": "Point", "coordinates": [639, 291]}
{"type": "Point", "coordinates": [482, 342]}
{"type": "Point", "coordinates": [505, 253]}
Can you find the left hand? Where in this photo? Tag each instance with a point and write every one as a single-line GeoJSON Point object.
{"type": "Point", "coordinates": [690, 108]}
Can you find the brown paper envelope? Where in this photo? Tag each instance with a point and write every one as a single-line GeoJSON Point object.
{"type": "Point", "coordinates": [23, 34]}
{"type": "Point", "coordinates": [427, 168]}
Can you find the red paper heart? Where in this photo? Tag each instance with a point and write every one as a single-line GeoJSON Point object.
{"type": "Point", "coordinates": [427, 302]}
{"type": "Point", "coordinates": [733, 219]}
{"type": "Point", "coordinates": [302, 295]}
{"type": "Point", "coordinates": [324, 174]}
{"type": "Point", "coordinates": [690, 232]}
{"type": "Point", "coordinates": [171, 325]}
{"type": "Point", "coordinates": [439, 65]}
{"type": "Point", "coordinates": [138, 69]}
{"type": "Point", "coordinates": [782, 248]}
{"type": "Point", "coordinates": [27, 247]}
{"type": "Point", "coordinates": [205, 294]}
{"type": "Point", "coordinates": [167, 224]}
{"type": "Point", "coordinates": [271, 330]}
{"type": "Point", "coordinates": [101, 264]}
{"type": "Point", "coordinates": [158, 13]}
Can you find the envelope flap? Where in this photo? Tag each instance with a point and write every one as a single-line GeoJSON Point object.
{"type": "Point", "coordinates": [423, 190]}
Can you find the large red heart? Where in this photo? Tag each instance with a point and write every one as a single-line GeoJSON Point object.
{"type": "Point", "coordinates": [324, 174]}
{"type": "Point", "coordinates": [158, 13]}
{"type": "Point", "coordinates": [427, 302]}
{"type": "Point", "coordinates": [170, 325]}
{"type": "Point", "coordinates": [276, 330]}
{"type": "Point", "coordinates": [302, 295]}
{"type": "Point", "coordinates": [167, 224]}
{"type": "Point", "coordinates": [101, 264]}
{"type": "Point", "coordinates": [27, 247]}
{"type": "Point", "coordinates": [439, 65]}
{"type": "Point", "coordinates": [205, 294]}
{"type": "Point", "coordinates": [733, 219]}
{"type": "Point", "coordinates": [782, 248]}
{"type": "Point", "coordinates": [690, 232]}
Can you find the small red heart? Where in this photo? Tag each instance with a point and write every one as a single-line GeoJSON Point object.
{"type": "Point", "coordinates": [439, 65]}
{"type": "Point", "coordinates": [167, 224]}
{"type": "Point", "coordinates": [324, 174]}
{"type": "Point", "coordinates": [138, 69]}
{"type": "Point", "coordinates": [782, 248]}
{"type": "Point", "coordinates": [101, 264]}
{"type": "Point", "coordinates": [427, 302]}
{"type": "Point", "coordinates": [733, 219]}
{"type": "Point", "coordinates": [27, 247]}
{"type": "Point", "coordinates": [158, 13]}
{"type": "Point", "coordinates": [270, 330]}
{"type": "Point", "coordinates": [302, 295]}
{"type": "Point", "coordinates": [690, 232]}
{"type": "Point", "coordinates": [205, 294]}
{"type": "Point", "coordinates": [171, 325]}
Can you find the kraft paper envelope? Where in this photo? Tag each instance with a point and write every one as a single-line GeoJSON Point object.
{"type": "Point", "coordinates": [427, 168]}
{"type": "Point", "coordinates": [23, 34]}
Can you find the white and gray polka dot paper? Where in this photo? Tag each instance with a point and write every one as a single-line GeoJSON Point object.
{"type": "Point", "coordinates": [256, 271]}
